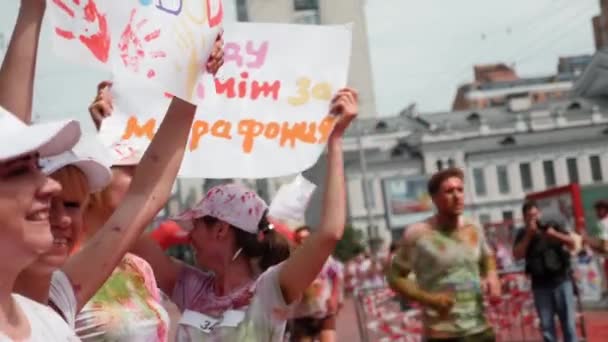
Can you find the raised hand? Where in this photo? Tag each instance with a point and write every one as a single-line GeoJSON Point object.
{"type": "Point", "coordinates": [133, 45]}
{"type": "Point", "coordinates": [102, 106]}
{"type": "Point", "coordinates": [216, 59]}
{"type": "Point", "coordinates": [345, 104]}
{"type": "Point", "coordinates": [214, 63]}
{"type": "Point", "coordinates": [92, 31]}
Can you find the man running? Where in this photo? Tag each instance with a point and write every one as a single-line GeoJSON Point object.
{"type": "Point", "coordinates": [449, 255]}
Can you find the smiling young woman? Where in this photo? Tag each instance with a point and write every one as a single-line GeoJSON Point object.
{"type": "Point", "coordinates": [25, 205]}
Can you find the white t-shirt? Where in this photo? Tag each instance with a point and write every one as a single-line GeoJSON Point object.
{"type": "Point", "coordinates": [315, 297]}
{"type": "Point", "coordinates": [61, 294]}
{"type": "Point", "coordinates": [45, 324]}
{"type": "Point", "coordinates": [603, 228]}
{"type": "Point", "coordinates": [256, 312]}
{"type": "Point", "coordinates": [127, 308]}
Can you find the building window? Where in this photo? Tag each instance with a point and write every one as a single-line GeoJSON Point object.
{"type": "Point", "coordinates": [305, 5]}
{"type": "Point", "coordinates": [309, 17]}
{"type": "Point", "coordinates": [241, 10]}
{"type": "Point", "coordinates": [480, 182]}
{"type": "Point", "coordinates": [507, 217]}
{"type": "Point", "coordinates": [484, 219]}
{"type": "Point", "coordinates": [503, 179]}
{"type": "Point", "coordinates": [525, 172]}
{"type": "Point", "coordinates": [368, 193]}
{"type": "Point", "coordinates": [596, 168]}
{"type": "Point", "coordinates": [572, 170]}
{"type": "Point", "coordinates": [439, 165]}
{"type": "Point", "coordinates": [549, 171]}
{"type": "Point", "coordinates": [451, 163]}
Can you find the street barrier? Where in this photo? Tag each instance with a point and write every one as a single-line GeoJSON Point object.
{"type": "Point", "coordinates": [382, 317]}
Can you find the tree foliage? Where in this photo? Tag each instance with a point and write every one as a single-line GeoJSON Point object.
{"type": "Point", "coordinates": [350, 245]}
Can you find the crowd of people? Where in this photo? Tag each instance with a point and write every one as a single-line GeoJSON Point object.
{"type": "Point", "coordinates": [76, 264]}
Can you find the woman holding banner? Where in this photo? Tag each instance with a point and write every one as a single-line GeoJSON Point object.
{"type": "Point", "coordinates": [25, 192]}
{"type": "Point", "coordinates": [81, 274]}
{"type": "Point", "coordinates": [249, 294]}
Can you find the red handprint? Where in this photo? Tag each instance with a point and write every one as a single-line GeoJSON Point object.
{"type": "Point", "coordinates": [132, 45]}
{"type": "Point", "coordinates": [93, 32]}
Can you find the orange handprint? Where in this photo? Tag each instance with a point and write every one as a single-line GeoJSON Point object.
{"type": "Point", "coordinates": [93, 30]}
{"type": "Point", "coordinates": [132, 45]}
{"type": "Point", "coordinates": [187, 44]}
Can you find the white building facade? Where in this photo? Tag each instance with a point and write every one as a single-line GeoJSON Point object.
{"type": "Point", "coordinates": [323, 12]}
{"type": "Point", "coordinates": [504, 154]}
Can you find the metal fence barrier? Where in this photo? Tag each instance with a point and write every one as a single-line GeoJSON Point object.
{"type": "Point", "coordinates": [383, 317]}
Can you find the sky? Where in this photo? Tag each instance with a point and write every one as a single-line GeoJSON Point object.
{"type": "Point", "coordinates": [420, 55]}
{"type": "Point", "coordinates": [429, 49]}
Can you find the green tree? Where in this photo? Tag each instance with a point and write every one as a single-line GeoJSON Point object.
{"type": "Point", "coordinates": [350, 245]}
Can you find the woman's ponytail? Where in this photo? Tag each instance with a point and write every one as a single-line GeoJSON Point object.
{"type": "Point", "coordinates": [271, 248]}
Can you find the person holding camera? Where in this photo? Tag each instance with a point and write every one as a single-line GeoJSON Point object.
{"type": "Point", "coordinates": [546, 247]}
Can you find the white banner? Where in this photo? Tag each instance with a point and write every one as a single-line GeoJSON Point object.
{"type": "Point", "coordinates": [265, 115]}
{"type": "Point", "coordinates": [164, 42]}
{"type": "Point", "coordinates": [291, 201]}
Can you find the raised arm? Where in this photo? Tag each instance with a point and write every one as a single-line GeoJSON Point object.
{"type": "Point", "coordinates": [151, 247]}
{"type": "Point", "coordinates": [166, 269]}
{"type": "Point", "coordinates": [301, 269]}
{"type": "Point", "coordinates": [19, 65]}
{"type": "Point", "coordinates": [148, 193]}
{"type": "Point", "coordinates": [523, 240]}
{"type": "Point", "coordinates": [562, 237]}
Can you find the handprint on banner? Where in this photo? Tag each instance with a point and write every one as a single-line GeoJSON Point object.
{"type": "Point", "coordinates": [133, 45]}
{"type": "Point", "coordinates": [92, 31]}
{"type": "Point", "coordinates": [188, 46]}
{"type": "Point", "coordinates": [189, 64]}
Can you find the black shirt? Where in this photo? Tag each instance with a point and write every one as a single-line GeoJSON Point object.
{"type": "Point", "coordinates": [539, 244]}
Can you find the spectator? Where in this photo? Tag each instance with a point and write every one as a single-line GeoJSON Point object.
{"type": "Point", "coordinates": [546, 248]}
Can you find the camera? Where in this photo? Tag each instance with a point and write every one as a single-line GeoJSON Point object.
{"type": "Point", "coordinates": [544, 225]}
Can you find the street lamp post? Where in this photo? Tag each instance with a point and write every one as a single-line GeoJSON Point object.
{"type": "Point", "coordinates": [371, 233]}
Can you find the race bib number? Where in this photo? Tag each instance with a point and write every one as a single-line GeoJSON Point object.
{"type": "Point", "coordinates": [206, 324]}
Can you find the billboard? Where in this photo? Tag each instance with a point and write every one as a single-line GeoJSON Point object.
{"type": "Point", "coordinates": [406, 200]}
{"type": "Point", "coordinates": [562, 204]}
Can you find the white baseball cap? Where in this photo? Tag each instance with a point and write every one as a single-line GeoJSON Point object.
{"type": "Point", "coordinates": [233, 203]}
{"type": "Point", "coordinates": [18, 139]}
{"type": "Point", "coordinates": [90, 156]}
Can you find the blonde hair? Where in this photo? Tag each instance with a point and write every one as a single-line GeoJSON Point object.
{"type": "Point", "coordinates": [100, 204]}
{"type": "Point", "coordinates": [74, 184]}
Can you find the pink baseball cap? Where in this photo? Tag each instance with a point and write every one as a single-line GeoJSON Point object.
{"type": "Point", "coordinates": [233, 203]}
